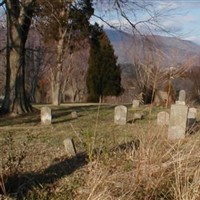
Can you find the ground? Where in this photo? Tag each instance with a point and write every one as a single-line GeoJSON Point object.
{"type": "Point", "coordinates": [109, 163]}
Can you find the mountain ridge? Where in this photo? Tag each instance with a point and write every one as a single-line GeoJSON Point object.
{"type": "Point", "coordinates": [173, 50]}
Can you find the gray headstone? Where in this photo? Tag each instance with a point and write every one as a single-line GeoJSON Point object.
{"type": "Point", "coordinates": [163, 118]}
{"type": "Point", "coordinates": [120, 115]}
{"type": "Point", "coordinates": [192, 114]}
{"type": "Point", "coordinates": [177, 122]}
{"type": "Point", "coordinates": [46, 115]}
{"type": "Point", "coordinates": [138, 115]}
{"type": "Point", "coordinates": [182, 96]}
{"type": "Point", "coordinates": [74, 114]}
{"type": "Point", "coordinates": [135, 103]}
{"type": "Point", "coordinates": [69, 147]}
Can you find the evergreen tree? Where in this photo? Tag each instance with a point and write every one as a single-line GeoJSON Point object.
{"type": "Point", "coordinates": [104, 75]}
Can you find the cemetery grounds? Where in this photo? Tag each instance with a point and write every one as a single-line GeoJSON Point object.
{"type": "Point", "coordinates": [113, 162]}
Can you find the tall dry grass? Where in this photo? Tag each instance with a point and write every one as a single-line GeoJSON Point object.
{"type": "Point", "coordinates": [159, 169]}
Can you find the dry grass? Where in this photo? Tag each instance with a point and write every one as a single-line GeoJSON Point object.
{"type": "Point", "coordinates": [34, 164]}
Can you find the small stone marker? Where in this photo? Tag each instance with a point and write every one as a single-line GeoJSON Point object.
{"type": "Point", "coordinates": [181, 98]}
{"type": "Point", "coordinates": [135, 103]}
{"type": "Point", "coordinates": [163, 118]}
{"type": "Point", "coordinates": [192, 114]}
{"type": "Point", "coordinates": [69, 147]}
{"type": "Point", "coordinates": [138, 116]}
{"type": "Point", "coordinates": [46, 115]}
{"type": "Point", "coordinates": [74, 114]}
{"type": "Point", "coordinates": [120, 115]}
{"type": "Point", "coordinates": [177, 122]}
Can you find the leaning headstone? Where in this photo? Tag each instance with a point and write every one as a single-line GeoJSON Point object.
{"type": "Point", "coordinates": [177, 122]}
{"type": "Point", "coordinates": [135, 103]}
{"type": "Point", "coordinates": [192, 114]}
{"type": "Point", "coordinates": [69, 147]}
{"type": "Point", "coordinates": [163, 118]}
{"type": "Point", "coordinates": [120, 115]}
{"type": "Point", "coordinates": [46, 115]}
{"type": "Point", "coordinates": [138, 116]}
{"type": "Point", "coordinates": [74, 114]}
{"type": "Point", "coordinates": [181, 98]}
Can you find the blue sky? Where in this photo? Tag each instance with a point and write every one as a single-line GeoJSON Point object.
{"type": "Point", "coordinates": [180, 18]}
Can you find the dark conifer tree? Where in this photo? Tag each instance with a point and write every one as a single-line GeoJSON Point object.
{"type": "Point", "coordinates": [104, 75]}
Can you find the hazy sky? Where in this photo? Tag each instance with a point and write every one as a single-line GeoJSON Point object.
{"type": "Point", "coordinates": [180, 17]}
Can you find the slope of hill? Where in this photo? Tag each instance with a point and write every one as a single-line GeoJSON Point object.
{"type": "Point", "coordinates": [150, 48]}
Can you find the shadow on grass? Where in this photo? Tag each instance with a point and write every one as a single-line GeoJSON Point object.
{"type": "Point", "coordinates": [18, 185]}
{"type": "Point", "coordinates": [59, 115]}
{"type": "Point", "coordinates": [33, 118]}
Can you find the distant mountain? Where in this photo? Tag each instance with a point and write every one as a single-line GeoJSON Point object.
{"type": "Point", "coordinates": [153, 48]}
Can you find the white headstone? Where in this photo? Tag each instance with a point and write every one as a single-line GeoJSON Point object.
{"type": "Point", "coordinates": [181, 98]}
{"type": "Point", "coordinates": [135, 103]}
{"type": "Point", "coordinates": [69, 147]}
{"type": "Point", "coordinates": [182, 95]}
{"type": "Point", "coordinates": [163, 118]}
{"type": "Point", "coordinates": [120, 115]}
{"type": "Point", "coordinates": [74, 114]}
{"type": "Point", "coordinates": [177, 122]}
{"type": "Point", "coordinates": [46, 115]}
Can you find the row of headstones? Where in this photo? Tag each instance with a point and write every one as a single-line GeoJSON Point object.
{"type": "Point", "coordinates": [180, 120]}
{"type": "Point", "coordinates": [181, 117]}
{"type": "Point", "coordinates": [46, 115]}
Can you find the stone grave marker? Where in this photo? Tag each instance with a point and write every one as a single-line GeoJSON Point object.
{"type": "Point", "coordinates": [192, 114]}
{"type": "Point", "coordinates": [120, 115]}
{"type": "Point", "coordinates": [181, 98]}
{"type": "Point", "coordinates": [46, 115]}
{"type": "Point", "coordinates": [177, 122]}
{"type": "Point", "coordinates": [74, 114]}
{"type": "Point", "coordinates": [69, 147]}
{"type": "Point", "coordinates": [135, 103]}
{"type": "Point", "coordinates": [163, 118]}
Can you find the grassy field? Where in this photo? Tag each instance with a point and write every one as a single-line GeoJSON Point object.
{"type": "Point", "coordinates": [133, 161]}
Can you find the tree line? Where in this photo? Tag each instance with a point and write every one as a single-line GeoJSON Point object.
{"type": "Point", "coordinates": [64, 26]}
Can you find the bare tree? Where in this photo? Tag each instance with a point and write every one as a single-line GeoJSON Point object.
{"type": "Point", "coordinates": [61, 23]}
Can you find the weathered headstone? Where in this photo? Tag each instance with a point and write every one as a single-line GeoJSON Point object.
{"type": "Point", "coordinates": [46, 115]}
{"type": "Point", "coordinates": [69, 147]}
{"type": "Point", "coordinates": [74, 114]}
{"type": "Point", "coordinates": [192, 114]}
{"type": "Point", "coordinates": [163, 118]}
{"type": "Point", "coordinates": [138, 116]}
{"type": "Point", "coordinates": [181, 98]}
{"type": "Point", "coordinates": [120, 115]}
{"type": "Point", "coordinates": [177, 122]}
{"type": "Point", "coordinates": [135, 103]}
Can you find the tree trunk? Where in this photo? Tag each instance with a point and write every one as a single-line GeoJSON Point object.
{"type": "Point", "coordinates": [57, 72]}
{"type": "Point", "coordinates": [56, 79]}
{"type": "Point", "coordinates": [18, 23]}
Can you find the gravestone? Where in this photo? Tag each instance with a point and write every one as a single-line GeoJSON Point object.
{"type": "Point", "coordinates": [46, 115]}
{"type": "Point", "coordinates": [135, 103]}
{"type": "Point", "coordinates": [138, 116]}
{"type": "Point", "coordinates": [181, 98]}
{"type": "Point", "coordinates": [120, 115]}
{"type": "Point", "coordinates": [163, 118]}
{"type": "Point", "coordinates": [192, 114]}
{"type": "Point", "coordinates": [74, 114]}
{"type": "Point", "coordinates": [69, 147]}
{"type": "Point", "coordinates": [177, 122]}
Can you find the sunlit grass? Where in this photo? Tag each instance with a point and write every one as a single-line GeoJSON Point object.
{"type": "Point", "coordinates": [104, 168]}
